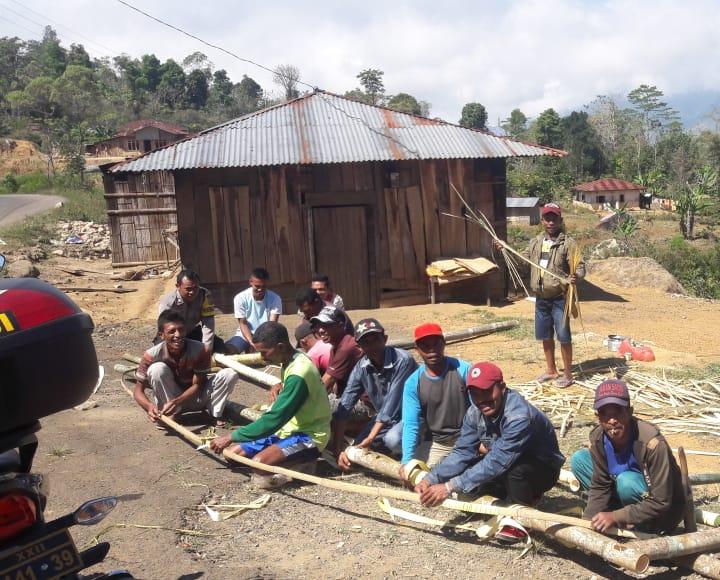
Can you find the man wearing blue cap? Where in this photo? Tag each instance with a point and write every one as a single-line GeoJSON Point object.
{"type": "Point", "coordinates": [629, 471]}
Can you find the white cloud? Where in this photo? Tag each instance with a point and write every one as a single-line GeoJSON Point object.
{"type": "Point", "coordinates": [530, 54]}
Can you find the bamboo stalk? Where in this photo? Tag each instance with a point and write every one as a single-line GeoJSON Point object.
{"type": "Point", "coordinates": [668, 547]}
{"type": "Point", "coordinates": [568, 477]}
{"type": "Point", "coordinates": [132, 358]}
{"type": "Point", "coordinates": [471, 332]}
{"type": "Point", "coordinates": [707, 518]}
{"type": "Point", "coordinates": [254, 358]}
{"type": "Point", "coordinates": [245, 371]}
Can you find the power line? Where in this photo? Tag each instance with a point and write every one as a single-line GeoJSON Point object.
{"type": "Point", "coordinates": [3, 17]}
{"type": "Point", "coordinates": [97, 44]}
{"type": "Point", "coordinates": [274, 72]}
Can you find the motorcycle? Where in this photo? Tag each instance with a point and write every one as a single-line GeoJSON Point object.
{"type": "Point", "coordinates": [41, 329]}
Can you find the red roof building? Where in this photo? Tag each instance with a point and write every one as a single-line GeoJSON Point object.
{"type": "Point", "coordinates": [140, 136]}
{"type": "Point", "coordinates": [610, 193]}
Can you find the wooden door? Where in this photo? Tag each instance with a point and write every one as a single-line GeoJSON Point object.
{"type": "Point", "coordinates": [340, 242]}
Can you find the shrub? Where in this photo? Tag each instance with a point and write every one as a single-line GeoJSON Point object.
{"type": "Point", "coordinates": [33, 182]}
{"type": "Point", "coordinates": [9, 184]}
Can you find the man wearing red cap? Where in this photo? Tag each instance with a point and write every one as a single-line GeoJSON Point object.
{"type": "Point", "coordinates": [507, 448]}
{"type": "Point", "coordinates": [434, 399]}
{"type": "Point", "coordinates": [551, 250]}
{"type": "Point", "coordinates": [629, 471]}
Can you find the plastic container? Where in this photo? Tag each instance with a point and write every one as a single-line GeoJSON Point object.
{"type": "Point", "coordinates": [614, 341]}
{"type": "Point", "coordinates": [47, 357]}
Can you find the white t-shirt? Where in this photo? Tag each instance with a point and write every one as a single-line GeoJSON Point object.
{"type": "Point", "coordinates": [253, 311]}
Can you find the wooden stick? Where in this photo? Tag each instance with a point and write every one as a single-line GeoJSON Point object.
{"type": "Point", "coordinates": [471, 332]}
{"type": "Point", "coordinates": [80, 289]}
{"type": "Point", "coordinates": [254, 358]}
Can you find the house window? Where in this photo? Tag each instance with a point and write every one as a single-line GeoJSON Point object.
{"type": "Point", "coordinates": [132, 145]}
{"type": "Point", "coordinates": [601, 199]}
{"type": "Point", "coordinates": [622, 198]}
{"type": "Point", "coordinates": [162, 143]}
{"type": "Point", "coordinates": [583, 197]}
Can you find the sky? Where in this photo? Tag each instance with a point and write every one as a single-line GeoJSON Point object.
{"type": "Point", "coordinates": [526, 54]}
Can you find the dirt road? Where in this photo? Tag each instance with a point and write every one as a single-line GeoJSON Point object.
{"type": "Point", "coordinates": [17, 206]}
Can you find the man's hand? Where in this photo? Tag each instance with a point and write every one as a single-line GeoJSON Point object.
{"type": "Point", "coordinates": [573, 279]}
{"type": "Point", "coordinates": [603, 521]}
{"type": "Point", "coordinates": [482, 450]}
{"type": "Point", "coordinates": [422, 486]}
{"type": "Point", "coordinates": [220, 443]}
{"type": "Point", "coordinates": [433, 495]}
{"type": "Point", "coordinates": [153, 413]}
{"type": "Point", "coordinates": [343, 461]}
{"type": "Point", "coordinates": [274, 392]}
{"type": "Point", "coordinates": [365, 443]}
{"type": "Point", "coordinates": [169, 408]}
{"type": "Point", "coordinates": [498, 245]}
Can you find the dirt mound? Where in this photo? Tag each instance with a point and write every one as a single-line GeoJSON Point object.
{"type": "Point", "coordinates": [635, 273]}
{"type": "Point", "coordinates": [19, 157]}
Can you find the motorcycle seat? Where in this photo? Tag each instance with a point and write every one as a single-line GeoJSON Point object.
{"type": "Point", "coordinates": [9, 461]}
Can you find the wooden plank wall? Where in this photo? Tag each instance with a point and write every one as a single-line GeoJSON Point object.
{"type": "Point", "coordinates": [136, 231]}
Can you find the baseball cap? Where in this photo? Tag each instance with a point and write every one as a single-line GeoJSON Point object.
{"type": "Point", "coordinates": [551, 208]}
{"type": "Point", "coordinates": [367, 326]}
{"type": "Point", "coordinates": [428, 329]}
{"type": "Point", "coordinates": [328, 315]}
{"type": "Point", "coordinates": [611, 392]}
{"type": "Point", "coordinates": [483, 375]}
{"type": "Point", "coordinates": [303, 330]}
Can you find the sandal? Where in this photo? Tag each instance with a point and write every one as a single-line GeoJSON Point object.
{"type": "Point", "coordinates": [563, 382]}
{"type": "Point", "coordinates": [545, 377]}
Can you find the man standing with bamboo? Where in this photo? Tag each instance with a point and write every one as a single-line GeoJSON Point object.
{"type": "Point", "coordinates": [507, 448]}
{"type": "Point", "coordinates": [435, 400]}
{"type": "Point", "coordinates": [629, 471]}
{"type": "Point", "coordinates": [555, 252]}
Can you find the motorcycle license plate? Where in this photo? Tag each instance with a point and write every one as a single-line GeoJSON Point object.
{"type": "Point", "coordinates": [52, 556]}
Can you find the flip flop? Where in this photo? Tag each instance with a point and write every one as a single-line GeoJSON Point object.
{"type": "Point", "coordinates": [545, 377]}
{"type": "Point", "coordinates": [563, 382]}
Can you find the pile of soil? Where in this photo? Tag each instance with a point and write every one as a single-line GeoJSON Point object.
{"type": "Point", "coordinates": [20, 157]}
{"type": "Point", "coordinates": [635, 273]}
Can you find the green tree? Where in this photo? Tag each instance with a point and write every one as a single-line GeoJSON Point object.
{"type": "Point", "coordinates": [699, 194]}
{"type": "Point", "coordinates": [406, 103]}
{"type": "Point", "coordinates": [583, 145]}
{"type": "Point", "coordinates": [516, 123]}
{"type": "Point", "coordinates": [171, 88]}
{"type": "Point", "coordinates": [51, 56]}
{"type": "Point", "coordinates": [371, 80]}
{"type": "Point", "coordinates": [150, 71]}
{"type": "Point", "coordinates": [196, 89]}
{"type": "Point", "coordinates": [547, 129]}
{"type": "Point", "coordinates": [76, 94]}
{"type": "Point", "coordinates": [221, 90]}
{"type": "Point", "coordinates": [473, 116]}
{"type": "Point", "coordinates": [78, 56]}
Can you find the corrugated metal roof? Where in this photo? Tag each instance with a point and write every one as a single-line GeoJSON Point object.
{"type": "Point", "coordinates": [608, 184]}
{"type": "Point", "coordinates": [521, 201]}
{"type": "Point", "coordinates": [325, 128]}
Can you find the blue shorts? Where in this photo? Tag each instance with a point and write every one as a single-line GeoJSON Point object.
{"type": "Point", "coordinates": [548, 316]}
{"type": "Point", "coordinates": [290, 446]}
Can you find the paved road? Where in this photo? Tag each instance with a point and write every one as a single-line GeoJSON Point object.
{"type": "Point", "coordinates": [17, 206]}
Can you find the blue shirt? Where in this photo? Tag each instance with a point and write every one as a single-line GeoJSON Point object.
{"type": "Point", "coordinates": [253, 311]}
{"type": "Point", "coordinates": [412, 415]}
{"type": "Point", "coordinates": [520, 428]}
{"type": "Point", "coordinates": [620, 461]}
{"type": "Point", "coordinates": [384, 387]}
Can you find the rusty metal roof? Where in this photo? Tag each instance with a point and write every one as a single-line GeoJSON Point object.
{"type": "Point", "coordinates": [608, 184]}
{"type": "Point", "coordinates": [321, 127]}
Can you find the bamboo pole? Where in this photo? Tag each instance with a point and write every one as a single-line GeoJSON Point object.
{"type": "Point", "coordinates": [707, 518]}
{"type": "Point", "coordinates": [704, 478]}
{"type": "Point", "coordinates": [669, 547]}
{"type": "Point", "coordinates": [471, 332]}
{"type": "Point", "coordinates": [132, 358]}
{"type": "Point", "coordinates": [245, 371]}
{"type": "Point", "coordinates": [689, 515]}
{"type": "Point", "coordinates": [254, 358]}
{"type": "Point", "coordinates": [374, 461]}
{"type": "Point", "coordinates": [568, 478]}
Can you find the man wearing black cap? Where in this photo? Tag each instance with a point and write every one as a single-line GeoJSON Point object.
{"type": "Point", "coordinates": [380, 374]}
{"type": "Point", "coordinates": [551, 250]}
{"type": "Point", "coordinates": [317, 350]}
{"type": "Point", "coordinates": [629, 471]}
{"type": "Point", "coordinates": [507, 448]}
{"type": "Point", "coordinates": [329, 326]}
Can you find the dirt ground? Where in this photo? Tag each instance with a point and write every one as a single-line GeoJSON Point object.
{"type": "Point", "coordinates": [311, 532]}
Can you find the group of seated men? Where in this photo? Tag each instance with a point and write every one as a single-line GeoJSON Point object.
{"type": "Point", "coordinates": [477, 436]}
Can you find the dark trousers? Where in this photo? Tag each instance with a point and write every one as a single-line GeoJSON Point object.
{"type": "Point", "coordinates": [196, 334]}
{"type": "Point", "coordinates": [525, 482]}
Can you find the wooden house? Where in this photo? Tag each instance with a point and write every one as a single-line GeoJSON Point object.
{"type": "Point", "coordinates": [138, 137]}
{"type": "Point", "coordinates": [324, 184]}
{"type": "Point", "coordinates": [610, 193]}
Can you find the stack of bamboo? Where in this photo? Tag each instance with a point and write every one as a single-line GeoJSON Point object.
{"type": "Point", "coordinates": [689, 406]}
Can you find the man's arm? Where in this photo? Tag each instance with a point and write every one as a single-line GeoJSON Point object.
{"type": "Point", "coordinates": [504, 452]}
{"type": "Point", "coordinates": [207, 322]}
{"type": "Point", "coordinates": [244, 329]}
{"type": "Point", "coordinates": [601, 485]}
{"type": "Point", "coordinates": [294, 393]}
{"type": "Point", "coordinates": [197, 385]}
{"type": "Point", "coordinates": [145, 403]}
{"type": "Point", "coordinates": [463, 455]}
{"type": "Point", "coordinates": [411, 411]}
{"type": "Point", "coordinates": [353, 391]}
{"type": "Point", "coordinates": [659, 499]}
{"type": "Point", "coordinates": [275, 309]}
{"type": "Point", "coordinates": [329, 381]}
{"type": "Point", "coordinates": [392, 405]}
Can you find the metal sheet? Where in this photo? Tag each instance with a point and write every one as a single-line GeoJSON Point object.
{"type": "Point", "coordinates": [325, 128]}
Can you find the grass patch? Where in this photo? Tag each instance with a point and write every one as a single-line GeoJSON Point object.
{"type": "Point", "coordinates": [478, 316]}
{"type": "Point", "coordinates": [60, 451]}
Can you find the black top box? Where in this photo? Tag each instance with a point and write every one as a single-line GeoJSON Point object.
{"type": "Point", "coordinates": [47, 357]}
